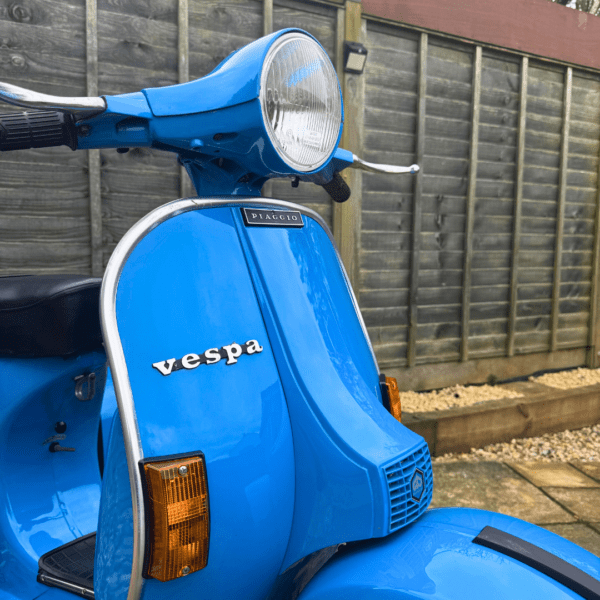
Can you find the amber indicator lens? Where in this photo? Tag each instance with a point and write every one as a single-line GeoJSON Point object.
{"type": "Point", "coordinates": [394, 397]}
{"type": "Point", "coordinates": [179, 517]}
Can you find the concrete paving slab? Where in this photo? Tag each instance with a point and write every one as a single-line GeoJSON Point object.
{"type": "Point", "coordinates": [583, 502]}
{"type": "Point", "coordinates": [592, 469]}
{"type": "Point", "coordinates": [553, 474]}
{"type": "Point", "coordinates": [578, 533]}
{"type": "Point", "coordinates": [494, 486]}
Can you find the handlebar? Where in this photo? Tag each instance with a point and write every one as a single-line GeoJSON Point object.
{"type": "Point", "coordinates": [79, 106]}
{"type": "Point", "coordinates": [37, 129]}
{"type": "Point", "coordinates": [337, 188]}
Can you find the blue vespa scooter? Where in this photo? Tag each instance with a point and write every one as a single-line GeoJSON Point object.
{"type": "Point", "coordinates": [257, 451]}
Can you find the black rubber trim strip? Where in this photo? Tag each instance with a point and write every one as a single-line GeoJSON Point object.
{"type": "Point", "coordinates": [556, 568]}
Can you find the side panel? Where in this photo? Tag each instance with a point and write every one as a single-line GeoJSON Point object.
{"type": "Point", "coordinates": [436, 558]}
{"type": "Point", "coordinates": [186, 289]}
{"type": "Point", "coordinates": [109, 408]}
{"type": "Point", "coordinates": [114, 536]}
{"type": "Point", "coordinates": [47, 498]}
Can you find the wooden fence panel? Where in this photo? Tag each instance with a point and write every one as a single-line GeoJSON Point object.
{"type": "Point", "coordinates": [579, 217]}
{"type": "Point", "coordinates": [136, 49]}
{"type": "Point", "coordinates": [449, 110]}
{"type": "Point", "coordinates": [488, 255]}
{"type": "Point", "coordinates": [494, 205]}
{"type": "Point", "coordinates": [541, 175]}
{"type": "Point", "coordinates": [391, 98]}
{"type": "Point", "coordinates": [44, 205]}
{"type": "Point", "coordinates": [507, 227]}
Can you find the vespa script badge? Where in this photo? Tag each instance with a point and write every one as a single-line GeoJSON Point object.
{"type": "Point", "coordinates": [210, 357]}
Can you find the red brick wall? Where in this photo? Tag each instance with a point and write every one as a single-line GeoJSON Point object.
{"type": "Point", "coordinates": [537, 27]}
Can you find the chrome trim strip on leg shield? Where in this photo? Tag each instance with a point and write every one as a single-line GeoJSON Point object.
{"type": "Point", "coordinates": [114, 348]}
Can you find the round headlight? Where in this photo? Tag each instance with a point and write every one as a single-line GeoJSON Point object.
{"type": "Point", "coordinates": [301, 101]}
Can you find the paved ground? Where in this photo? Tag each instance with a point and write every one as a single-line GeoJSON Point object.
{"type": "Point", "coordinates": [562, 497]}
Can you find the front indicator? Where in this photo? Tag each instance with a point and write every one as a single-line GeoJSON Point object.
{"type": "Point", "coordinates": [178, 520]}
{"type": "Point", "coordinates": [391, 396]}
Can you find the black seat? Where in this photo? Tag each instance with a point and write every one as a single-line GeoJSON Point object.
{"type": "Point", "coordinates": [49, 315]}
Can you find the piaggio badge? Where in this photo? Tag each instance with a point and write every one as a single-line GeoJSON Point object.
{"type": "Point", "coordinates": [417, 485]}
{"type": "Point", "coordinates": [210, 357]}
{"type": "Point", "coordinates": [259, 217]}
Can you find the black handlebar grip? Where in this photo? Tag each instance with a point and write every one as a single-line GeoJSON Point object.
{"type": "Point", "coordinates": [37, 129]}
{"type": "Point", "coordinates": [337, 188]}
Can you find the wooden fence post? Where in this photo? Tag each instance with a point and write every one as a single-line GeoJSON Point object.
{"type": "Point", "coordinates": [267, 190]}
{"type": "Point", "coordinates": [347, 216]}
{"type": "Point", "coordinates": [471, 197]}
{"type": "Point", "coordinates": [594, 324]}
{"type": "Point", "coordinates": [183, 68]}
{"type": "Point", "coordinates": [411, 353]}
{"type": "Point", "coordinates": [514, 274]}
{"type": "Point", "coordinates": [91, 41]}
{"type": "Point", "coordinates": [267, 17]}
{"type": "Point", "coordinates": [562, 195]}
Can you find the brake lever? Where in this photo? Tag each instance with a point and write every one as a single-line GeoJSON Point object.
{"type": "Point", "coordinates": [339, 190]}
{"type": "Point", "coordinates": [363, 165]}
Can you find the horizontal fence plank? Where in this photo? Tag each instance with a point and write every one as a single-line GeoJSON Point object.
{"type": "Point", "coordinates": [29, 229]}
{"type": "Point", "coordinates": [68, 16]}
{"type": "Point", "coordinates": [158, 10]}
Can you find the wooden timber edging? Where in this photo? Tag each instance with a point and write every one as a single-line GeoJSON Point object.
{"type": "Point", "coordinates": [540, 410]}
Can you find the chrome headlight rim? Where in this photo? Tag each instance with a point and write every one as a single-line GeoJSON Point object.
{"type": "Point", "coordinates": [276, 47]}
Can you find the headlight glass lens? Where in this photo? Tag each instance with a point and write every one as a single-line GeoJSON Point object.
{"type": "Point", "coordinates": [301, 101]}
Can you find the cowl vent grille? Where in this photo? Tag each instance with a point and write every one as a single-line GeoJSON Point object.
{"type": "Point", "coordinates": [408, 498]}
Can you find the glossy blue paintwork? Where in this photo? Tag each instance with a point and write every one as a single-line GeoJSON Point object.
{"type": "Point", "coordinates": [114, 538]}
{"type": "Point", "coordinates": [46, 499]}
{"type": "Point", "coordinates": [435, 558]}
{"type": "Point", "coordinates": [235, 80]}
{"type": "Point", "coordinates": [107, 413]}
{"type": "Point", "coordinates": [343, 436]}
{"type": "Point", "coordinates": [186, 288]}
{"type": "Point", "coordinates": [185, 119]}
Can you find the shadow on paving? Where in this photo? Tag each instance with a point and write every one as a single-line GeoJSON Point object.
{"type": "Point", "coordinates": [561, 497]}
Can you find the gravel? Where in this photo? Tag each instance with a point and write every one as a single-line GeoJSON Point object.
{"type": "Point", "coordinates": [457, 395]}
{"type": "Point", "coordinates": [567, 380]}
{"type": "Point", "coordinates": [581, 445]}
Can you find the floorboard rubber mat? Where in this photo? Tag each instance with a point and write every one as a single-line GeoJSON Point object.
{"type": "Point", "coordinates": [70, 566]}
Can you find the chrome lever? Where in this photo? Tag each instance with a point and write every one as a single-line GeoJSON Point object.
{"type": "Point", "coordinates": [359, 163]}
{"type": "Point", "coordinates": [56, 447]}
{"type": "Point", "coordinates": [81, 106]}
